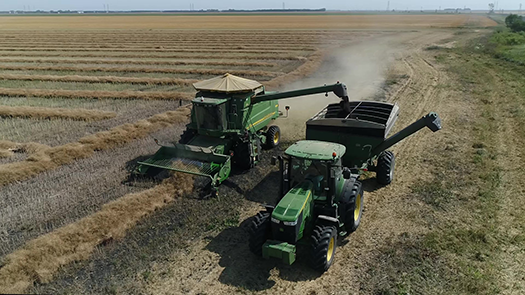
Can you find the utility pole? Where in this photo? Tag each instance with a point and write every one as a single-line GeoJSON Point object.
{"type": "Point", "coordinates": [520, 8]}
{"type": "Point", "coordinates": [388, 6]}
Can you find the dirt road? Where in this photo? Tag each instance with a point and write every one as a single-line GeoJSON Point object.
{"type": "Point", "coordinates": [179, 260]}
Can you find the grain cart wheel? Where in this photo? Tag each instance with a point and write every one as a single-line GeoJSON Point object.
{"type": "Point", "coordinates": [273, 136]}
{"type": "Point", "coordinates": [243, 156]}
{"type": "Point", "coordinates": [354, 209]}
{"type": "Point", "coordinates": [324, 242]}
{"type": "Point", "coordinates": [385, 168]}
{"type": "Point", "coordinates": [260, 231]}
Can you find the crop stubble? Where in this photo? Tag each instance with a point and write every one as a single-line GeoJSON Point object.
{"type": "Point", "coordinates": [39, 259]}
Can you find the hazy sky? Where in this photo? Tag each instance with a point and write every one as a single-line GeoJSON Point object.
{"type": "Point", "coordinates": [244, 4]}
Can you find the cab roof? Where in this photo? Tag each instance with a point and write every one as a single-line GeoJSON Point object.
{"type": "Point", "coordinates": [229, 83]}
{"type": "Point", "coordinates": [316, 150]}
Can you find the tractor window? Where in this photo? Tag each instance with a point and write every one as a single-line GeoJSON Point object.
{"type": "Point", "coordinates": [308, 169]}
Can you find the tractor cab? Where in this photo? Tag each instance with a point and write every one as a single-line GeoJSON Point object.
{"type": "Point", "coordinates": [315, 162]}
{"type": "Point", "coordinates": [310, 171]}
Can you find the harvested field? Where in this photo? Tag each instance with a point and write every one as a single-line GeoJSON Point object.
{"type": "Point", "coordinates": [142, 62]}
{"type": "Point", "coordinates": [140, 70]}
{"type": "Point", "coordinates": [232, 21]}
{"type": "Point", "coordinates": [53, 158]}
{"type": "Point", "coordinates": [82, 97]}
{"type": "Point", "coordinates": [96, 94]}
{"type": "Point", "coordinates": [174, 56]}
{"type": "Point", "coordinates": [53, 113]}
{"type": "Point", "coordinates": [99, 79]}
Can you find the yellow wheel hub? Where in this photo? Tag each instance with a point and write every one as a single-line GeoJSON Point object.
{"type": "Point", "coordinates": [276, 138]}
{"type": "Point", "coordinates": [357, 210]}
{"type": "Point", "coordinates": [330, 250]}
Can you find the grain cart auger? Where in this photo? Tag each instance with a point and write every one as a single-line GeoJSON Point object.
{"type": "Point", "coordinates": [320, 195]}
{"type": "Point", "coordinates": [229, 123]}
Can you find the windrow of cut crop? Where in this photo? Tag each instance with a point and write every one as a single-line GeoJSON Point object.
{"type": "Point", "coordinates": [141, 62]}
{"type": "Point", "coordinates": [19, 49]}
{"type": "Point", "coordinates": [95, 94]}
{"type": "Point", "coordinates": [165, 46]}
{"type": "Point", "coordinates": [141, 70]}
{"type": "Point", "coordinates": [145, 55]}
{"type": "Point", "coordinates": [100, 79]}
{"type": "Point", "coordinates": [54, 113]}
{"type": "Point", "coordinates": [39, 259]}
{"type": "Point", "coordinates": [54, 157]}
{"type": "Point", "coordinates": [9, 148]}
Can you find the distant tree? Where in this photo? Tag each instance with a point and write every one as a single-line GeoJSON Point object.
{"type": "Point", "coordinates": [515, 23]}
{"type": "Point", "coordinates": [491, 7]}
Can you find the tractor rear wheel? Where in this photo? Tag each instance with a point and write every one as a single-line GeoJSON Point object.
{"type": "Point", "coordinates": [260, 231]}
{"type": "Point", "coordinates": [273, 136]}
{"type": "Point", "coordinates": [354, 209]}
{"type": "Point", "coordinates": [324, 242]}
{"type": "Point", "coordinates": [385, 168]}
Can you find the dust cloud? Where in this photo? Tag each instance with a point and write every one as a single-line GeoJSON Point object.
{"type": "Point", "coordinates": [360, 66]}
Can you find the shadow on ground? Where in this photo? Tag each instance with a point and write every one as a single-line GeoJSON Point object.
{"type": "Point", "coordinates": [245, 270]}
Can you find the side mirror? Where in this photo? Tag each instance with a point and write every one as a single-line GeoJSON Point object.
{"type": "Point", "coordinates": [274, 160]}
{"type": "Point", "coordinates": [347, 173]}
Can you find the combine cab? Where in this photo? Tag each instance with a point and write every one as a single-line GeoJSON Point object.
{"type": "Point", "coordinates": [230, 123]}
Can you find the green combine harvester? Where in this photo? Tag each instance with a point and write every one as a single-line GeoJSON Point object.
{"type": "Point", "coordinates": [320, 195]}
{"type": "Point", "coordinates": [229, 124]}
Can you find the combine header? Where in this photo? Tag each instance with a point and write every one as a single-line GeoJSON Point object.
{"type": "Point", "coordinates": [229, 125]}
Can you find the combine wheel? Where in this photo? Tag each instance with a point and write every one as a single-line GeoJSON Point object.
{"type": "Point", "coordinates": [385, 168]}
{"type": "Point", "coordinates": [243, 156]}
{"type": "Point", "coordinates": [354, 209]}
{"type": "Point", "coordinates": [260, 231]}
{"type": "Point", "coordinates": [324, 242]}
{"type": "Point", "coordinates": [273, 136]}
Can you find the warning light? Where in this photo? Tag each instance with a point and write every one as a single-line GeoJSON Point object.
{"type": "Point", "coordinates": [334, 154]}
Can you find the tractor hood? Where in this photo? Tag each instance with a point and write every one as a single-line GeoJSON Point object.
{"type": "Point", "coordinates": [293, 203]}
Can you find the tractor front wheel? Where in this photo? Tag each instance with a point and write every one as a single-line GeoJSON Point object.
{"type": "Point", "coordinates": [273, 136]}
{"type": "Point", "coordinates": [385, 168]}
{"type": "Point", "coordinates": [324, 242]}
{"type": "Point", "coordinates": [260, 231]}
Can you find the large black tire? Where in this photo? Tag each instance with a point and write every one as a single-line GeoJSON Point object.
{"type": "Point", "coordinates": [385, 168]}
{"type": "Point", "coordinates": [186, 136]}
{"type": "Point", "coordinates": [243, 156]}
{"type": "Point", "coordinates": [354, 208]}
{"type": "Point", "coordinates": [260, 231]}
{"type": "Point", "coordinates": [324, 242]}
{"type": "Point", "coordinates": [273, 136]}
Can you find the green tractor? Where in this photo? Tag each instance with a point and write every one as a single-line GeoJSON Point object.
{"type": "Point", "coordinates": [320, 195]}
{"type": "Point", "coordinates": [230, 123]}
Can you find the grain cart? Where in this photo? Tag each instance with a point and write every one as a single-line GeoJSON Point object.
{"type": "Point", "coordinates": [320, 196]}
{"type": "Point", "coordinates": [229, 123]}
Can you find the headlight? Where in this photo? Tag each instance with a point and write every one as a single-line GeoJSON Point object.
{"type": "Point", "coordinates": [275, 220]}
{"type": "Point", "coordinates": [290, 223]}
